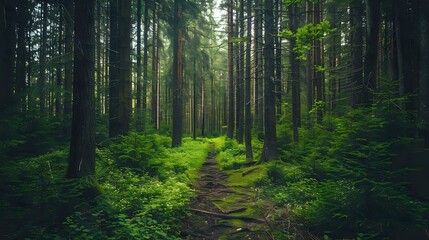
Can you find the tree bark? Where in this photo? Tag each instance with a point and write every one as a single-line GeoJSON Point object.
{"type": "Point", "coordinates": [145, 63]}
{"type": "Point", "coordinates": [68, 69]}
{"type": "Point", "coordinates": [125, 94]}
{"type": "Point", "coordinates": [177, 76]}
{"type": "Point", "coordinates": [423, 9]}
{"type": "Point", "coordinates": [294, 73]}
{"type": "Point", "coordinates": [356, 40]}
{"type": "Point", "coordinates": [231, 112]}
{"type": "Point", "coordinates": [373, 12]}
{"type": "Point", "coordinates": [7, 52]}
{"type": "Point", "coordinates": [42, 61]}
{"type": "Point", "coordinates": [248, 113]}
{"type": "Point", "coordinates": [139, 67]}
{"type": "Point", "coordinates": [21, 87]}
{"type": "Point", "coordinates": [114, 70]}
{"type": "Point", "coordinates": [269, 151]}
{"type": "Point", "coordinates": [82, 146]}
{"type": "Point", "coordinates": [240, 76]}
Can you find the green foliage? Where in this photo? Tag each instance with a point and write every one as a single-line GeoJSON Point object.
{"type": "Point", "coordinates": [232, 155]}
{"type": "Point", "coordinates": [141, 191]}
{"type": "Point", "coordinates": [341, 178]}
{"type": "Point", "coordinates": [305, 36]}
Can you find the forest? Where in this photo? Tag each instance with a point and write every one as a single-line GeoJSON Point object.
{"type": "Point", "coordinates": [214, 119]}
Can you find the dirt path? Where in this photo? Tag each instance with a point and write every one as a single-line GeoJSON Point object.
{"type": "Point", "coordinates": [221, 211]}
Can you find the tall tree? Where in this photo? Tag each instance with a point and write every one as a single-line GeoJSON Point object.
{"type": "Point", "coordinates": [356, 41]}
{"type": "Point", "coordinates": [278, 57]}
{"type": "Point", "coordinates": [139, 66]}
{"type": "Point", "coordinates": [114, 69]}
{"type": "Point", "coordinates": [294, 73]}
{"type": "Point", "coordinates": [423, 17]}
{"type": "Point", "coordinates": [145, 60]}
{"type": "Point", "coordinates": [82, 146]}
{"type": "Point", "coordinates": [7, 51]}
{"type": "Point", "coordinates": [125, 87]}
{"type": "Point", "coordinates": [239, 87]}
{"type": "Point", "coordinates": [248, 113]}
{"type": "Point", "coordinates": [269, 151]}
{"type": "Point", "coordinates": [177, 82]}
{"type": "Point", "coordinates": [258, 88]}
{"type": "Point", "coordinates": [41, 82]}
{"type": "Point", "coordinates": [373, 16]}
{"type": "Point", "coordinates": [21, 53]}
{"type": "Point", "coordinates": [230, 132]}
{"type": "Point", "coordinates": [68, 68]}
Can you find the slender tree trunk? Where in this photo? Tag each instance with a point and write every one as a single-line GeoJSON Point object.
{"type": "Point", "coordinates": [356, 13]}
{"type": "Point", "coordinates": [99, 103]}
{"type": "Point", "coordinates": [154, 95]}
{"type": "Point", "coordinates": [139, 66]}
{"type": "Point", "coordinates": [23, 16]}
{"type": "Point", "coordinates": [248, 113]}
{"type": "Point", "coordinates": [231, 112]}
{"type": "Point", "coordinates": [68, 69]}
{"type": "Point", "coordinates": [423, 9]}
{"type": "Point", "coordinates": [7, 52]}
{"type": "Point", "coordinates": [82, 145]}
{"type": "Point", "coordinates": [404, 44]}
{"type": "Point", "coordinates": [317, 62]}
{"type": "Point", "coordinates": [125, 94]}
{"type": "Point", "coordinates": [114, 70]}
{"type": "Point", "coordinates": [145, 62]}
{"type": "Point", "coordinates": [240, 75]}
{"type": "Point", "coordinates": [59, 67]}
{"type": "Point", "coordinates": [194, 101]}
{"type": "Point", "coordinates": [373, 12]}
{"type": "Point", "coordinates": [269, 151]}
{"type": "Point", "coordinates": [294, 73]}
{"type": "Point", "coordinates": [278, 64]}
{"type": "Point", "coordinates": [258, 67]}
{"type": "Point", "coordinates": [177, 76]}
{"type": "Point", "coordinates": [42, 61]}
{"type": "Point", "coordinates": [309, 67]}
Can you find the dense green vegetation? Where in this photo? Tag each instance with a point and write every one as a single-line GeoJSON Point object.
{"type": "Point", "coordinates": [142, 191]}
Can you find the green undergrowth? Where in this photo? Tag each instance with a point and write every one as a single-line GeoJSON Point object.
{"type": "Point", "coordinates": [341, 179]}
{"type": "Point", "coordinates": [141, 191]}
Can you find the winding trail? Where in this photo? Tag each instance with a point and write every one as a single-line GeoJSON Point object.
{"type": "Point", "coordinates": [221, 211]}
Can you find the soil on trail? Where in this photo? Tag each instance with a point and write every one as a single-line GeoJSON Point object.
{"type": "Point", "coordinates": [221, 211]}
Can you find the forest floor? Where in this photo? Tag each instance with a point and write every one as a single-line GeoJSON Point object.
{"type": "Point", "coordinates": [226, 206]}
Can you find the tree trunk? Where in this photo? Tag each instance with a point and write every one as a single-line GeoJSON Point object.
{"type": "Point", "coordinates": [356, 40]}
{"type": "Point", "coordinates": [59, 67]}
{"type": "Point", "coordinates": [294, 73]}
{"type": "Point", "coordinates": [42, 61]}
{"type": "Point", "coordinates": [278, 64]}
{"type": "Point", "coordinates": [269, 151]}
{"type": "Point", "coordinates": [423, 9]}
{"type": "Point", "coordinates": [68, 74]}
{"type": "Point", "coordinates": [82, 145]}
{"type": "Point", "coordinates": [23, 16]}
{"type": "Point", "coordinates": [7, 52]}
{"type": "Point", "coordinates": [240, 76]}
{"type": "Point", "coordinates": [373, 12]}
{"type": "Point", "coordinates": [258, 67]}
{"type": "Point", "coordinates": [317, 62]}
{"type": "Point", "coordinates": [139, 66]}
{"type": "Point", "coordinates": [248, 113]}
{"type": "Point", "coordinates": [114, 70]}
{"type": "Point", "coordinates": [98, 104]}
{"type": "Point", "coordinates": [231, 104]}
{"type": "Point", "coordinates": [404, 46]}
{"type": "Point", "coordinates": [125, 94]}
{"type": "Point", "coordinates": [145, 63]}
{"type": "Point", "coordinates": [177, 76]}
